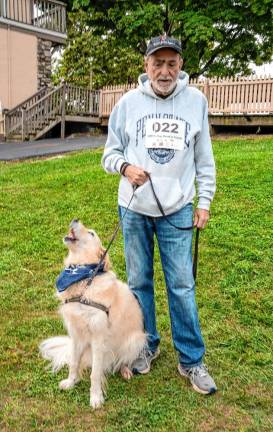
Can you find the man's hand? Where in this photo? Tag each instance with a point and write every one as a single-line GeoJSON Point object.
{"type": "Point", "coordinates": [201, 218]}
{"type": "Point", "coordinates": [135, 175]}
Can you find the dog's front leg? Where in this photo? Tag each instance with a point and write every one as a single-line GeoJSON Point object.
{"type": "Point", "coordinates": [74, 366]}
{"type": "Point", "coordinates": [96, 392]}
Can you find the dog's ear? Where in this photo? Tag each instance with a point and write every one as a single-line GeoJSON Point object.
{"type": "Point", "coordinates": [107, 263]}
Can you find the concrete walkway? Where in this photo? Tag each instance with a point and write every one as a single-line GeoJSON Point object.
{"type": "Point", "coordinates": [29, 149]}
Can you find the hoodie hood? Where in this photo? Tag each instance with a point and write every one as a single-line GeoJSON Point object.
{"type": "Point", "coordinates": [146, 88]}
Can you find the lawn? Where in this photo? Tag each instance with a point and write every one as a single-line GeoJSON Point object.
{"type": "Point", "coordinates": [38, 198]}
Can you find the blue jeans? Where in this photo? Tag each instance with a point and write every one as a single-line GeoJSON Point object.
{"type": "Point", "coordinates": [175, 248]}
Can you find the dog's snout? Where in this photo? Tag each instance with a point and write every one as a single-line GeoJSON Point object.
{"type": "Point", "coordinates": [74, 222]}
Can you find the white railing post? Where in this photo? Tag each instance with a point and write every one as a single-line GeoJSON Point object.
{"type": "Point", "coordinates": [3, 8]}
{"type": "Point", "coordinates": [23, 124]}
{"type": "Point", "coordinates": [63, 111]}
{"type": "Point", "coordinates": [206, 89]}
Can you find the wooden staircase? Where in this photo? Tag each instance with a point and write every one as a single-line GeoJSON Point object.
{"type": "Point", "coordinates": [37, 115]}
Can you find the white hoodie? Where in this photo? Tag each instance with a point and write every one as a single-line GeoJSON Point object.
{"type": "Point", "coordinates": [173, 172]}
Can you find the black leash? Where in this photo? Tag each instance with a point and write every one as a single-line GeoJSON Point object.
{"type": "Point", "coordinates": [91, 303]}
{"type": "Point", "coordinates": [196, 242]}
{"type": "Point", "coordinates": [97, 268]}
{"type": "Point", "coordinates": [111, 241]}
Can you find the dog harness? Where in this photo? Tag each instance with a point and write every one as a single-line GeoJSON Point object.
{"type": "Point", "coordinates": [76, 273]}
{"type": "Point", "coordinates": [88, 303]}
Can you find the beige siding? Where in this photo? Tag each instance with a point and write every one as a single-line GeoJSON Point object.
{"type": "Point", "coordinates": [18, 66]}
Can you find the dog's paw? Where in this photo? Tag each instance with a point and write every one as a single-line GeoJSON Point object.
{"type": "Point", "coordinates": [96, 400]}
{"type": "Point", "coordinates": [66, 384]}
{"type": "Point", "coordinates": [126, 373]}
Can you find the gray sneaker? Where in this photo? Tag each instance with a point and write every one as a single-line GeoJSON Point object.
{"type": "Point", "coordinates": [199, 377]}
{"type": "Point", "coordinates": [142, 365]}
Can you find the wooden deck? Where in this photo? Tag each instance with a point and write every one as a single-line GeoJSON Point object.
{"type": "Point", "coordinates": [245, 101]}
{"type": "Point", "coordinates": [44, 18]}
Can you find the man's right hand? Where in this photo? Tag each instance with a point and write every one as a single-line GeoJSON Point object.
{"type": "Point", "coordinates": [135, 175]}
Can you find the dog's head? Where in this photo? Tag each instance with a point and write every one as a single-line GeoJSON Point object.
{"type": "Point", "coordinates": [84, 246]}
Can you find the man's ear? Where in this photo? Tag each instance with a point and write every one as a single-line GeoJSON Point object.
{"type": "Point", "coordinates": [145, 64]}
{"type": "Point", "coordinates": [181, 63]}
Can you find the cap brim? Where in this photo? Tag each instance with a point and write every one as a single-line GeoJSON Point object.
{"type": "Point", "coordinates": [152, 51]}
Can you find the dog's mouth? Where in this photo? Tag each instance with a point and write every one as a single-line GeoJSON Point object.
{"type": "Point", "coordinates": [71, 237]}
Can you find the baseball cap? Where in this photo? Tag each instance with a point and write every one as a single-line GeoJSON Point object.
{"type": "Point", "coordinates": [164, 41]}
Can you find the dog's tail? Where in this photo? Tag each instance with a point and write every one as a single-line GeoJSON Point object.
{"type": "Point", "coordinates": [57, 350]}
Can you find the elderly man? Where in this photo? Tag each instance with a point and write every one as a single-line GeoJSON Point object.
{"type": "Point", "coordinates": [161, 128]}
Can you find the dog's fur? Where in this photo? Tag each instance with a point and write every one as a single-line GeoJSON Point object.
{"type": "Point", "coordinates": [104, 343]}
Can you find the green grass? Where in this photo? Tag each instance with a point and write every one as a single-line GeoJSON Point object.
{"type": "Point", "coordinates": [234, 294]}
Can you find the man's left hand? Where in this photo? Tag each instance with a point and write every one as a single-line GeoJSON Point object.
{"type": "Point", "coordinates": [201, 218]}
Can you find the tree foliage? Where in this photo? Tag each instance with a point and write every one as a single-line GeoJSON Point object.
{"type": "Point", "coordinates": [107, 39]}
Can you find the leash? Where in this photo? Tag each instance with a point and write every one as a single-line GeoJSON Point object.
{"type": "Point", "coordinates": [111, 241]}
{"type": "Point", "coordinates": [196, 242]}
{"type": "Point", "coordinates": [91, 303]}
{"type": "Point", "coordinates": [96, 270]}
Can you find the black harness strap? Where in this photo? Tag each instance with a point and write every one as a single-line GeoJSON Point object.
{"type": "Point", "coordinates": [88, 303]}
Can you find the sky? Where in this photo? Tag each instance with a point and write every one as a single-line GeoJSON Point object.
{"type": "Point", "coordinates": [265, 69]}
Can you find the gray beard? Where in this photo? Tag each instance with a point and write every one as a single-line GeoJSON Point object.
{"type": "Point", "coordinates": [165, 95]}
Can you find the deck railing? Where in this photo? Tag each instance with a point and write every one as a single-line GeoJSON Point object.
{"type": "Point", "coordinates": [42, 113]}
{"type": "Point", "coordinates": [239, 96]}
{"type": "Point", "coordinates": [2, 124]}
{"type": "Point", "coordinates": [226, 96]}
{"type": "Point", "coordinates": [110, 95]}
{"type": "Point", "coordinates": [13, 118]}
{"type": "Point", "coordinates": [49, 106]}
{"type": "Point", "coordinates": [45, 14]}
{"type": "Point", "coordinates": [81, 101]}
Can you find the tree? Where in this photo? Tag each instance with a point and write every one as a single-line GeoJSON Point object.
{"type": "Point", "coordinates": [219, 37]}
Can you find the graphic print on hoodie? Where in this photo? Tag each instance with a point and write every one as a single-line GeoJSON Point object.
{"type": "Point", "coordinates": [173, 171]}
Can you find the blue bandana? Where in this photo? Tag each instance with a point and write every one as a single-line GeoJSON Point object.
{"type": "Point", "coordinates": [76, 273]}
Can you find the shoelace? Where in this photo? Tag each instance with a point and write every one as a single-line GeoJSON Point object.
{"type": "Point", "coordinates": [145, 354]}
{"type": "Point", "coordinates": [198, 370]}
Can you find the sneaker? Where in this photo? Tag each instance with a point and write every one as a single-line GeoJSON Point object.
{"type": "Point", "coordinates": [142, 365]}
{"type": "Point", "coordinates": [199, 377]}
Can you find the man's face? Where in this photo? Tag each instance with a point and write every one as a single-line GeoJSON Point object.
{"type": "Point", "coordinates": [163, 68]}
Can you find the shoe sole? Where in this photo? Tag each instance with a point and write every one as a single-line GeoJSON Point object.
{"type": "Point", "coordinates": [147, 370]}
{"type": "Point", "coordinates": [194, 386]}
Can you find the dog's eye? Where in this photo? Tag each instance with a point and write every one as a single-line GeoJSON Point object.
{"type": "Point", "coordinates": [91, 232]}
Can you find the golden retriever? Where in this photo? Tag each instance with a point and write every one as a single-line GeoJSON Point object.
{"type": "Point", "coordinates": [103, 340]}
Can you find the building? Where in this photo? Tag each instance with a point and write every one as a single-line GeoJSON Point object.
{"type": "Point", "coordinates": [29, 29]}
